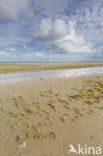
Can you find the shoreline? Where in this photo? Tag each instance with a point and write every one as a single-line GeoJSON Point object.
{"type": "Point", "coordinates": [12, 78]}
{"type": "Point", "coordinates": [30, 67]}
{"type": "Point", "coordinates": [43, 117]}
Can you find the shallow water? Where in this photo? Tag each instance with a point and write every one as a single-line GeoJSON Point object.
{"type": "Point", "coordinates": [24, 76]}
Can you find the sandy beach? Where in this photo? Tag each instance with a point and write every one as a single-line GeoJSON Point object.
{"type": "Point", "coordinates": [51, 78]}
{"type": "Point", "coordinates": [43, 117]}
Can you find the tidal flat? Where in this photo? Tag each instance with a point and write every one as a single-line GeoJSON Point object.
{"type": "Point", "coordinates": [43, 117]}
{"type": "Point", "coordinates": [12, 67]}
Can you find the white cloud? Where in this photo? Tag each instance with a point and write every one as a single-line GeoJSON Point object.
{"type": "Point", "coordinates": [88, 17]}
{"type": "Point", "coordinates": [12, 9]}
{"type": "Point", "coordinates": [33, 55]}
{"type": "Point", "coordinates": [3, 53]}
{"type": "Point", "coordinates": [50, 30]}
{"type": "Point", "coordinates": [61, 37]}
{"type": "Point", "coordinates": [10, 49]}
{"type": "Point", "coordinates": [59, 26]}
{"type": "Point", "coordinates": [39, 54]}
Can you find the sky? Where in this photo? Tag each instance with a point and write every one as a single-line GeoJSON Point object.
{"type": "Point", "coordinates": [51, 30]}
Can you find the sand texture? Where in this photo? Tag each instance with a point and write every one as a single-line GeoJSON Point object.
{"type": "Point", "coordinates": [41, 118]}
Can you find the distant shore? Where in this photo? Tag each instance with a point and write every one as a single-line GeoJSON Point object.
{"type": "Point", "coordinates": [44, 117]}
{"type": "Point", "coordinates": [22, 67]}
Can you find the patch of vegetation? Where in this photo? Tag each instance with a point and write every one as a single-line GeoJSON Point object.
{"type": "Point", "coordinates": [23, 67]}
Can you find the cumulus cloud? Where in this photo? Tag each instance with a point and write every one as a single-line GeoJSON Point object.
{"type": "Point", "coordinates": [12, 9]}
{"type": "Point", "coordinates": [61, 37]}
{"type": "Point", "coordinates": [52, 26]}
{"type": "Point", "coordinates": [50, 30]}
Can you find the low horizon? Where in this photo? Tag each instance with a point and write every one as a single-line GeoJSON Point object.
{"type": "Point", "coordinates": [47, 61]}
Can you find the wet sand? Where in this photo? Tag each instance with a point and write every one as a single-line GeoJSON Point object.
{"type": "Point", "coordinates": [41, 118]}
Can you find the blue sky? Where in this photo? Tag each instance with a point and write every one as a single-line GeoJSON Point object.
{"type": "Point", "coordinates": [51, 30]}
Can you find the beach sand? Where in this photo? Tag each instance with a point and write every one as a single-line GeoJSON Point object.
{"type": "Point", "coordinates": [42, 118]}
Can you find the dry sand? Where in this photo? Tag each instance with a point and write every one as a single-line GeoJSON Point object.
{"type": "Point", "coordinates": [41, 118]}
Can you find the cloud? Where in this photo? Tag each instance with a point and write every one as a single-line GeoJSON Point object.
{"type": "Point", "coordinates": [88, 17]}
{"type": "Point", "coordinates": [39, 54]}
{"type": "Point", "coordinates": [52, 27]}
{"type": "Point", "coordinates": [50, 30]}
{"type": "Point", "coordinates": [10, 49]}
{"type": "Point", "coordinates": [4, 53]}
{"type": "Point", "coordinates": [12, 9]}
{"type": "Point", "coordinates": [61, 37]}
{"type": "Point", "coordinates": [49, 7]}
{"type": "Point", "coordinates": [32, 55]}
